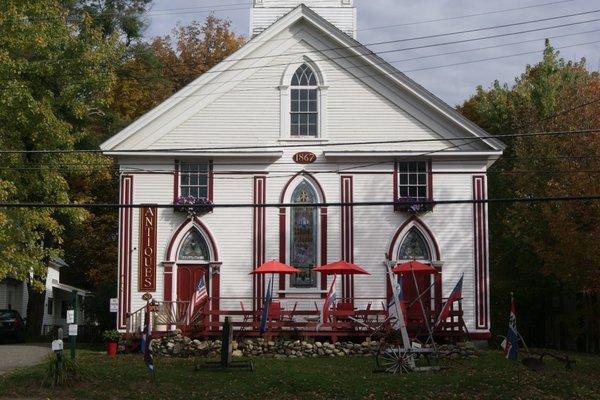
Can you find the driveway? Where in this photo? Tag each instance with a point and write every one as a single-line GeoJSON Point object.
{"type": "Point", "coordinates": [14, 356]}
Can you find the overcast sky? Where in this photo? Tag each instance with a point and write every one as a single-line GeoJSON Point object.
{"type": "Point", "coordinates": [455, 83]}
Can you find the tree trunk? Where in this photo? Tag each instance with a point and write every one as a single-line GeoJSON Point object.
{"type": "Point", "coordinates": [35, 311]}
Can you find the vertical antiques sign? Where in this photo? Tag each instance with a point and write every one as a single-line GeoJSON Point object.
{"type": "Point", "coordinates": [147, 281]}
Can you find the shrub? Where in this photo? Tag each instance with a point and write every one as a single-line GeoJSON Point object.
{"type": "Point", "coordinates": [112, 336]}
{"type": "Point", "coordinates": [65, 376]}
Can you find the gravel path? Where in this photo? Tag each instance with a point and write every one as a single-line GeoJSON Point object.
{"type": "Point", "coordinates": [21, 355]}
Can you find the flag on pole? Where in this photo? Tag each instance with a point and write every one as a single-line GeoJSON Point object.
{"type": "Point", "coordinates": [199, 297]}
{"type": "Point", "coordinates": [454, 296]}
{"type": "Point", "coordinates": [147, 335]}
{"type": "Point", "coordinates": [329, 302]}
{"type": "Point", "coordinates": [265, 311]}
{"type": "Point", "coordinates": [511, 343]}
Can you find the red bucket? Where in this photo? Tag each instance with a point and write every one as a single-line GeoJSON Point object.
{"type": "Point", "coordinates": [111, 348]}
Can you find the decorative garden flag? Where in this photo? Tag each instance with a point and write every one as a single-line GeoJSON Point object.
{"type": "Point", "coordinates": [511, 343]}
{"type": "Point", "coordinates": [265, 311]}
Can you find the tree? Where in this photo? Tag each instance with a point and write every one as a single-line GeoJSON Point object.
{"type": "Point", "coordinates": [55, 78]}
{"type": "Point", "coordinates": [122, 17]}
{"type": "Point", "coordinates": [545, 252]}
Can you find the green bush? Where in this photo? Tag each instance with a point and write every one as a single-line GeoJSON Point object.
{"type": "Point", "coordinates": [65, 376]}
{"type": "Point", "coordinates": [112, 336]}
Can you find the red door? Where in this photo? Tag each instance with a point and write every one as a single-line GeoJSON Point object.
{"type": "Point", "coordinates": [187, 279]}
{"type": "Point", "coordinates": [411, 293]}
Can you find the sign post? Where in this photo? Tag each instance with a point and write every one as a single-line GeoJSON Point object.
{"type": "Point", "coordinates": [73, 332]}
{"type": "Point", "coordinates": [57, 347]}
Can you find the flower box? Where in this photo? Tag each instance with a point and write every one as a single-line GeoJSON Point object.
{"type": "Point", "coordinates": [412, 205]}
{"type": "Point", "coordinates": [193, 205]}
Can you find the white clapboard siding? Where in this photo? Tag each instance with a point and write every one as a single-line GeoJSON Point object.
{"type": "Point", "coordinates": [342, 18]}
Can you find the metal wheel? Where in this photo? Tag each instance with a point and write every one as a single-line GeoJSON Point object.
{"type": "Point", "coordinates": [394, 359]}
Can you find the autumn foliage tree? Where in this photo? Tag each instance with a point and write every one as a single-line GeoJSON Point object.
{"type": "Point", "coordinates": [546, 252]}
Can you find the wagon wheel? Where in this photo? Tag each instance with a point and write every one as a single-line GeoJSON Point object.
{"type": "Point", "coordinates": [394, 359]}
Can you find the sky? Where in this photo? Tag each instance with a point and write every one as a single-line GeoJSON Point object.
{"type": "Point", "coordinates": [452, 83]}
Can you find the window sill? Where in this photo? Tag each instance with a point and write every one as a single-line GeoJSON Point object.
{"type": "Point", "coordinates": [303, 140]}
{"type": "Point", "coordinates": [303, 291]}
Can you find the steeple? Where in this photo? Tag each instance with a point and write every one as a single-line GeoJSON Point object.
{"type": "Point", "coordinates": [340, 13]}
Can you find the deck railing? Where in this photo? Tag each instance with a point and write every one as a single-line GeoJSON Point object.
{"type": "Point", "coordinates": [299, 314]}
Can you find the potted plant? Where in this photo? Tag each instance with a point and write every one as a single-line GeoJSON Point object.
{"type": "Point", "coordinates": [112, 338]}
{"type": "Point", "coordinates": [412, 205]}
{"type": "Point", "coordinates": [193, 205]}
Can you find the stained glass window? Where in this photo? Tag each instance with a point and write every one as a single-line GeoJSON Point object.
{"type": "Point", "coordinates": [304, 114]}
{"type": "Point", "coordinates": [303, 237]}
{"type": "Point", "coordinates": [194, 247]}
{"type": "Point", "coordinates": [414, 247]}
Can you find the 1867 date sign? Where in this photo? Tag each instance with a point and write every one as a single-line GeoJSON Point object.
{"type": "Point", "coordinates": [147, 281]}
{"type": "Point", "coordinates": [304, 157]}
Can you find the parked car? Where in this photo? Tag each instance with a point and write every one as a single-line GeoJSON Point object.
{"type": "Point", "coordinates": [12, 326]}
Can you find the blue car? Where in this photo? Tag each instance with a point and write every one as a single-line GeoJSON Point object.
{"type": "Point", "coordinates": [12, 326]}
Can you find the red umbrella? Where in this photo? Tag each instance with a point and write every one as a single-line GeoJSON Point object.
{"type": "Point", "coordinates": [275, 267]}
{"type": "Point", "coordinates": [341, 267]}
{"type": "Point", "coordinates": [414, 266]}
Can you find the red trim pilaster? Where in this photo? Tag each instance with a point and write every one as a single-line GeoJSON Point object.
{"type": "Point", "coordinates": [282, 246]}
{"type": "Point", "coordinates": [347, 232]}
{"type": "Point", "coordinates": [323, 247]}
{"type": "Point", "coordinates": [125, 237]}
{"type": "Point", "coordinates": [168, 280]}
{"type": "Point", "coordinates": [258, 238]}
{"type": "Point", "coordinates": [480, 247]}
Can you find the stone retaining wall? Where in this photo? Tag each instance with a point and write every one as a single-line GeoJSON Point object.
{"type": "Point", "coordinates": [176, 345]}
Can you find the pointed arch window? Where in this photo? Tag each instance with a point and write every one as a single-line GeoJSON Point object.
{"type": "Point", "coordinates": [194, 247]}
{"type": "Point", "coordinates": [303, 236]}
{"type": "Point", "coordinates": [304, 114]}
{"type": "Point", "coordinates": [414, 246]}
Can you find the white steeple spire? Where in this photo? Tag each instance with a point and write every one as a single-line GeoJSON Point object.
{"type": "Point", "coordinates": [340, 13]}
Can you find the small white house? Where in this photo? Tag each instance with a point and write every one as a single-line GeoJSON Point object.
{"type": "Point", "coordinates": [14, 295]}
{"type": "Point", "coordinates": [302, 114]}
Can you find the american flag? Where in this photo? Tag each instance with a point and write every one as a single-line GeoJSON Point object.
{"type": "Point", "coordinates": [329, 302]}
{"type": "Point", "coordinates": [147, 336]}
{"type": "Point", "coordinates": [199, 297]}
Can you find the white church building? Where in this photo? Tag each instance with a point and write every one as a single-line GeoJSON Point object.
{"type": "Point", "coordinates": [301, 114]}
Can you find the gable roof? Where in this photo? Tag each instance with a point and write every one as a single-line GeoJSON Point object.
{"type": "Point", "coordinates": [387, 73]}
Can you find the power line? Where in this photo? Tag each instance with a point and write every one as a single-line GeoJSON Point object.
{"type": "Point", "coordinates": [296, 145]}
{"type": "Point", "coordinates": [359, 45]}
{"type": "Point", "coordinates": [464, 16]}
{"type": "Point", "coordinates": [306, 205]}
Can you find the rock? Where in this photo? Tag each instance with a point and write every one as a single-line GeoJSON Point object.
{"type": "Point", "coordinates": [234, 345]}
{"type": "Point", "coordinates": [309, 346]}
{"type": "Point", "coordinates": [176, 349]}
{"type": "Point", "coordinates": [318, 344]}
{"type": "Point", "coordinates": [237, 353]}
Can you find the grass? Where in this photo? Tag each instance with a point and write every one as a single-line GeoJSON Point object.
{"type": "Point", "coordinates": [487, 377]}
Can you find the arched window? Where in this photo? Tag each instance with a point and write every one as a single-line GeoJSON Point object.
{"type": "Point", "coordinates": [194, 247]}
{"type": "Point", "coordinates": [414, 246]}
{"type": "Point", "coordinates": [304, 113]}
{"type": "Point", "coordinates": [303, 236]}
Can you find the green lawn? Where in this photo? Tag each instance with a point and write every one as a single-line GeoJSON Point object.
{"type": "Point", "coordinates": [488, 377]}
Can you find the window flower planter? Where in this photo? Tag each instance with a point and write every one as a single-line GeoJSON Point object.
{"type": "Point", "coordinates": [193, 205]}
{"type": "Point", "coordinates": [412, 205]}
